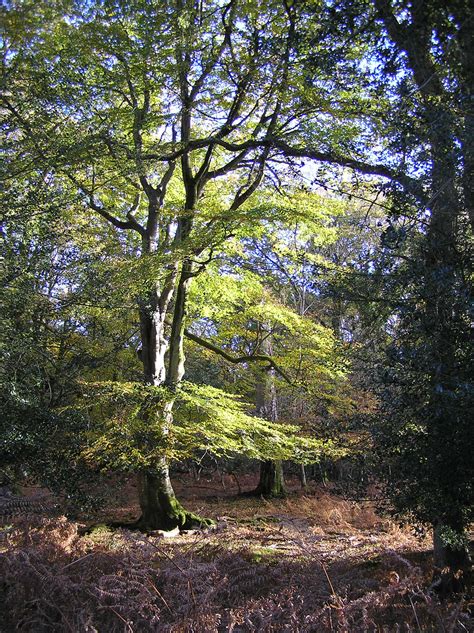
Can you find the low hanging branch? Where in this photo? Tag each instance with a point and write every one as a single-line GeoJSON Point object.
{"type": "Point", "coordinates": [248, 358]}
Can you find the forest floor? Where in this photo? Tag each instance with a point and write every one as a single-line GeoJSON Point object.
{"type": "Point", "coordinates": [312, 562]}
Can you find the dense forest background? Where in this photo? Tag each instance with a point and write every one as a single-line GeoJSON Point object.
{"type": "Point", "coordinates": [236, 244]}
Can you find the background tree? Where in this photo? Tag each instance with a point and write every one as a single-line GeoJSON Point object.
{"type": "Point", "coordinates": [271, 481]}
{"type": "Point", "coordinates": [435, 339]}
{"type": "Point", "coordinates": [420, 59]}
{"type": "Point", "coordinates": [264, 297]}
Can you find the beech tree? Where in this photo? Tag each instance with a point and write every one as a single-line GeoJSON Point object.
{"type": "Point", "coordinates": [163, 120]}
{"type": "Point", "coordinates": [271, 481]}
{"type": "Point", "coordinates": [245, 305]}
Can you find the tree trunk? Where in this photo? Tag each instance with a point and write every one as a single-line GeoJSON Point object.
{"type": "Point", "coordinates": [443, 278]}
{"type": "Point", "coordinates": [160, 508]}
{"type": "Point", "coordinates": [303, 480]}
{"type": "Point", "coordinates": [154, 344]}
{"type": "Point", "coordinates": [271, 483]}
{"type": "Point", "coordinates": [452, 563]}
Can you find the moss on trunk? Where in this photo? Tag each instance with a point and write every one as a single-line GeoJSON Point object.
{"type": "Point", "coordinates": [271, 482]}
{"type": "Point", "coordinates": [161, 510]}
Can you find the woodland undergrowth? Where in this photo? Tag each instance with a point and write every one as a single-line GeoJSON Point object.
{"type": "Point", "coordinates": [308, 563]}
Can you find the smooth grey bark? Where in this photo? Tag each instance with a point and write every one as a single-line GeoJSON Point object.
{"type": "Point", "coordinates": [163, 363]}
{"type": "Point", "coordinates": [162, 356]}
{"type": "Point", "coordinates": [303, 480]}
{"type": "Point", "coordinates": [154, 343]}
{"type": "Point", "coordinates": [159, 507]}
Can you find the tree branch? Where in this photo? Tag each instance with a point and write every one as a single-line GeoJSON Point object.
{"type": "Point", "coordinates": [410, 184]}
{"type": "Point", "coordinates": [249, 358]}
{"type": "Point", "coordinates": [131, 222]}
{"type": "Point", "coordinates": [244, 193]}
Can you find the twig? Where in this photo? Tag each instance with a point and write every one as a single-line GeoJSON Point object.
{"type": "Point", "coordinates": [162, 598]}
{"type": "Point", "coordinates": [239, 487]}
{"type": "Point", "coordinates": [78, 560]}
{"type": "Point", "coordinates": [323, 566]}
{"type": "Point", "coordinates": [123, 619]}
{"type": "Point", "coordinates": [168, 557]}
{"type": "Point", "coordinates": [416, 615]}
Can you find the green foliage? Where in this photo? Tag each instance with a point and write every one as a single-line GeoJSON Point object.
{"type": "Point", "coordinates": [47, 447]}
{"type": "Point", "coordinates": [50, 335]}
{"type": "Point", "coordinates": [454, 539]}
{"type": "Point", "coordinates": [130, 431]}
{"type": "Point", "coordinates": [137, 137]}
{"type": "Point", "coordinates": [427, 398]}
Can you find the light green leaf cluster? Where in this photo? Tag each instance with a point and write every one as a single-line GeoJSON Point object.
{"type": "Point", "coordinates": [131, 429]}
{"type": "Point", "coordinates": [241, 309]}
{"type": "Point", "coordinates": [311, 213]}
{"type": "Point", "coordinates": [127, 424]}
{"type": "Point", "coordinates": [216, 295]}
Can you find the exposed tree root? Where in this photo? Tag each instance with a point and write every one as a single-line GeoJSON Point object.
{"type": "Point", "coordinates": [185, 521]}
